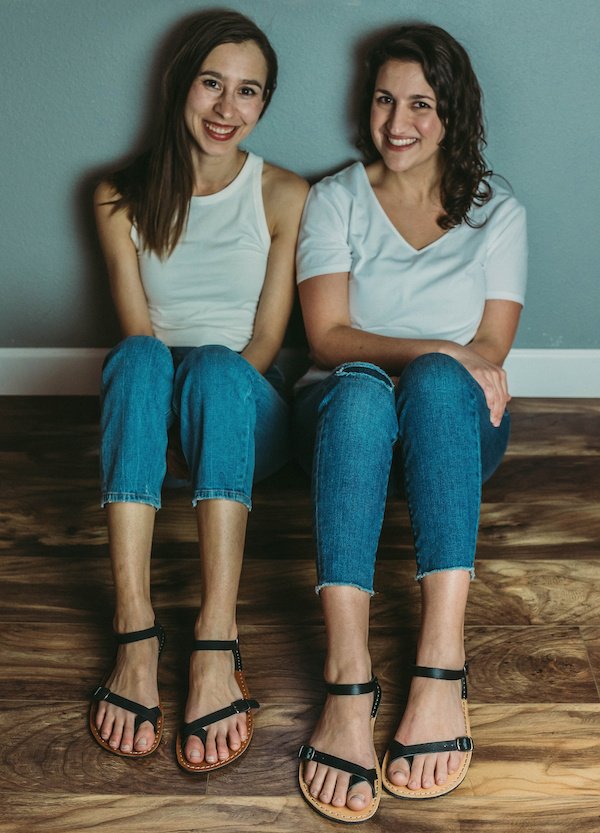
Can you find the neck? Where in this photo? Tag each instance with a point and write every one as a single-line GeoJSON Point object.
{"type": "Point", "coordinates": [415, 187]}
{"type": "Point", "coordinates": [212, 174]}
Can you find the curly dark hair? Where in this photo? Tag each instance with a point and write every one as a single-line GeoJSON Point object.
{"type": "Point", "coordinates": [157, 185]}
{"type": "Point", "coordinates": [448, 71]}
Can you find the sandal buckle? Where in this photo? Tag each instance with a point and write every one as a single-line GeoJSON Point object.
{"type": "Point", "coordinates": [98, 690]}
{"type": "Point", "coordinates": [306, 753]}
{"type": "Point", "coordinates": [464, 744]}
{"type": "Point", "coordinates": [239, 706]}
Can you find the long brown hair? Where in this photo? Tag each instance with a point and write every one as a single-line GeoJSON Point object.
{"type": "Point", "coordinates": [157, 186]}
{"type": "Point", "coordinates": [448, 71]}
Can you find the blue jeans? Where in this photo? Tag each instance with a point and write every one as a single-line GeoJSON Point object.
{"type": "Point", "coordinates": [234, 426]}
{"type": "Point", "coordinates": [431, 439]}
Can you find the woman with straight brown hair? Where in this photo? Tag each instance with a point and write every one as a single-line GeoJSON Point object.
{"type": "Point", "coordinates": [199, 238]}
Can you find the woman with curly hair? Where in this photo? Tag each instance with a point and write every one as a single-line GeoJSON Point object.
{"type": "Point", "coordinates": [199, 237]}
{"type": "Point", "coordinates": [412, 272]}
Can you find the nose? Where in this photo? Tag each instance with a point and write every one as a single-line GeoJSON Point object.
{"type": "Point", "coordinates": [225, 105]}
{"type": "Point", "coordinates": [399, 119]}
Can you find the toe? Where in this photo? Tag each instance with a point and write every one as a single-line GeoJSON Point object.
{"type": "Point", "coordinates": [242, 728]}
{"type": "Point", "coordinates": [308, 773]}
{"type": "Point", "coordinates": [428, 776]}
{"type": "Point", "coordinates": [210, 753]}
{"type": "Point", "coordinates": [399, 772]}
{"type": "Point", "coordinates": [144, 738]}
{"type": "Point", "coordinates": [359, 796]}
{"type": "Point", "coordinates": [234, 740]}
{"type": "Point", "coordinates": [416, 773]}
{"type": "Point", "coordinates": [441, 769]}
{"type": "Point", "coordinates": [318, 779]}
{"type": "Point", "coordinates": [116, 734]}
{"type": "Point", "coordinates": [328, 788]}
{"type": "Point", "coordinates": [194, 750]}
{"type": "Point", "coordinates": [221, 743]}
{"type": "Point", "coordinates": [341, 790]}
{"type": "Point", "coordinates": [127, 736]}
{"type": "Point", "coordinates": [454, 761]}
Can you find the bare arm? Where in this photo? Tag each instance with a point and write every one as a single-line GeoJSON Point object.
{"type": "Point", "coordinates": [284, 196]}
{"type": "Point", "coordinates": [114, 230]}
{"type": "Point", "coordinates": [333, 340]}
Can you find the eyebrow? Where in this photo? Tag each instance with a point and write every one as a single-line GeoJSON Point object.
{"type": "Point", "coordinates": [220, 76]}
{"type": "Point", "coordinates": [412, 97]}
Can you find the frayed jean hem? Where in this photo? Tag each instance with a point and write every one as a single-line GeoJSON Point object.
{"type": "Point", "coordinates": [469, 570]}
{"type": "Point", "coordinates": [319, 587]}
{"type": "Point", "coordinates": [130, 497]}
{"type": "Point", "coordinates": [222, 494]}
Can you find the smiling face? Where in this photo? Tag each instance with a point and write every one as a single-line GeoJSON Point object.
{"type": "Point", "coordinates": [405, 126]}
{"type": "Point", "coordinates": [226, 98]}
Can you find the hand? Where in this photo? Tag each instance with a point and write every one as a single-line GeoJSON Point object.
{"type": "Point", "coordinates": [490, 378]}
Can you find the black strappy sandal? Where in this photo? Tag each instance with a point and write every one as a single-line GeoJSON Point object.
{"type": "Point", "coordinates": [198, 727]}
{"type": "Point", "coordinates": [357, 772]}
{"type": "Point", "coordinates": [461, 744]}
{"type": "Point", "coordinates": [143, 713]}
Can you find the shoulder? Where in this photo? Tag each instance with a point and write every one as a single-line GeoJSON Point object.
{"type": "Point", "coordinates": [343, 185]}
{"type": "Point", "coordinates": [279, 183]}
{"type": "Point", "coordinates": [105, 192]}
{"type": "Point", "coordinates": [501, 210]}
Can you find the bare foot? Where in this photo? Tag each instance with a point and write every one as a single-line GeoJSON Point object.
{"type": "Point", "coordinates": [133, 677]}
{"type": "Point", "coordinates": [212, 687]}
{"type": "Point", "coordinates": [343, 730]}
{"type": "Point", "coordinates": [433, 713]}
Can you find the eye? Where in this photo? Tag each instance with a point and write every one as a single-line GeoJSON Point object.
{"type": "Point", "coordinates": [248, 92]}
{"type": "Point", "coordinates": [211, 83]}
{"type": "Point", "coordinates": [421, 105]}
{"type": "Point", "coordinates": [384, 99]}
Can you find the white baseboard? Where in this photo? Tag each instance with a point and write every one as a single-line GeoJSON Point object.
{"type": "Point", "coordinates": [67, 371]}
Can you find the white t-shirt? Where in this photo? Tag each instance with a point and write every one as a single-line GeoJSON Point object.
{"type": "Point", "coordinates": [437, 292]}
{"type": "Point", "coordinates": [207, 290]}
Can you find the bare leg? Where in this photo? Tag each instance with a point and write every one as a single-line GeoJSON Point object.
{"type": "Point", "coordinates": [130, 527]}
{"type": "Point", "coordinates": [433, 711]}
{"type": "Point", "coordinates": [212, 685]}
{"type": "Point", "coordinates": [344, 728]}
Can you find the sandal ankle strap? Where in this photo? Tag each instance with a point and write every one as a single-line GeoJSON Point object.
{"type": "Point", "coordinates": [232, 645]}
{"type": "Point", "coordinates": [444, 674]}
{"type": "Point", "coordinates": [156, 630]}
{"type": "Point", "coordinates": [358, 688]}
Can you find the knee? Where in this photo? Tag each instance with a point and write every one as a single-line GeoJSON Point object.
{"type": "Point", "coordinates": [137, 355]}
{"type": "Point", "coordinates": [361, 395]}
{"type": "Point", "coordinates": [434, 377]}
{"type": "Point", "coordinates": [215, 368]}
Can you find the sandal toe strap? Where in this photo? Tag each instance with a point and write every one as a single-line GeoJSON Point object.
{"type": "Point", "coordinates": [142, 713]}
{"type": "Point", "coordinates": [197, 727]}
{"type": "Point", "coordinates": [358, 773]}
{"type": "Point", "coordinates": [399, 750]}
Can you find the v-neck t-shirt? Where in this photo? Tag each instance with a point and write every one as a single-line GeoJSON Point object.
{"type": "Point", "coordinates": [437, 292]}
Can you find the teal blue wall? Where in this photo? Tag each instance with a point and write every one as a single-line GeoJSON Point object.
{"type": "Point", "coordinates": [75, 95]}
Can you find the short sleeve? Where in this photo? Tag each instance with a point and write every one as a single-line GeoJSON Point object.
{"type": "Point", "coordinates": [323, 240]}
{"type": "Point", "coordinates": [506, 259]}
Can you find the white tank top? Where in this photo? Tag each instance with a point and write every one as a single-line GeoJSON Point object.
{"type": "Point", "coordinates": [207, 291]}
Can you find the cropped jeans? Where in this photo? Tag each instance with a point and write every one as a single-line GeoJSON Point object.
{"type": "Point", "coordinates": [431, 439]}
{"type": "Point", "coordinates": [234, 426]}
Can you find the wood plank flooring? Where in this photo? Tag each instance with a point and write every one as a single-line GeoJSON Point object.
{"type": "Point", "coordinates": [533, 639]}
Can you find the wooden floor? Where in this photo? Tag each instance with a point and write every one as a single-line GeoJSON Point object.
{"type": "Point", "coordinates": [533, 639]}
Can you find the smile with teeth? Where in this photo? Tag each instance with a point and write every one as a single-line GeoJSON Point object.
{"type": "Point", "coordinates": [219, 131]}
{"type": "Point", "coordinates": [401, 143]}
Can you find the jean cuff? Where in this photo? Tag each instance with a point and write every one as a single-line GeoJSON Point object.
{"type": "Point", "coordinates": [130, 497]}
{"type": "Point", "coordinates": [319, 587]}
{"type": "Point", "coordinates": [222, 494]}
{"type": "Point", "coordinates": [470, 570]}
